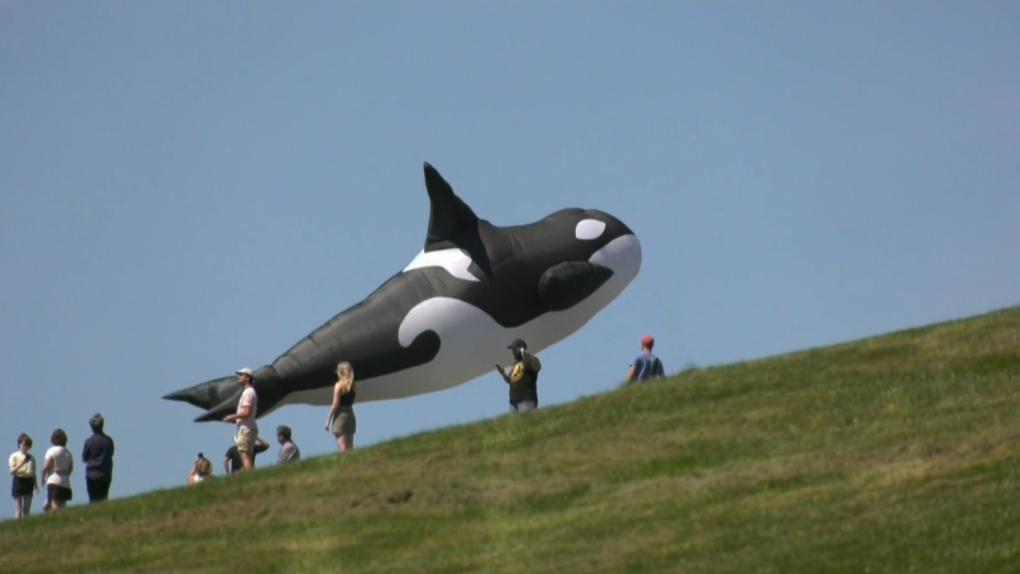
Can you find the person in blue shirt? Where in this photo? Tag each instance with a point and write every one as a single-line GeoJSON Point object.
{"type": "Point", "coordinates": [645, 365]}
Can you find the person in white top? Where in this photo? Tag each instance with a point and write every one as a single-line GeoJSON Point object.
{"type": "Point", "coordinates": [57, 472]}
{"type": "Point", "coordinates": [201, 470]}
{"type": "Point", "coordinates": [247, 410]}
{"type": "Point", "coordinates": [24, 481]}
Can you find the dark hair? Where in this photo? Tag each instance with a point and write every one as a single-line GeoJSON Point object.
{"type": "Point", "coordinates": [96, 422]}
{"type": "Point", "coordinates": [59, 437]}
{"type": "Point", "coordinates": [283, 430]}
{"type": "Point", "coordinates": [24, 438]}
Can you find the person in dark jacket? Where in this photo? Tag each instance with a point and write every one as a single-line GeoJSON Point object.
{"type": "Point", "coordinates": [98, 458]}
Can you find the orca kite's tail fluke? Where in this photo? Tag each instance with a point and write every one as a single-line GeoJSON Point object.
{"type": "Point", "coordinates": [218, 397]}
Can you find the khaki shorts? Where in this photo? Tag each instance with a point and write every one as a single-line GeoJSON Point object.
{"type": "Point", "coordinates": [245, 440]}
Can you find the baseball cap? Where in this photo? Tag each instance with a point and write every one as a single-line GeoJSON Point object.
{"type": "Point", "coordinates": [517, 343]}
{"type": "Point", "coordinates": [246, 371]}
{"type": "Point", "coordinates": [648, 340]}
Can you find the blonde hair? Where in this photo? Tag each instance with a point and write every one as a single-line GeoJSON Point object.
{"type": "Point", "coordinates": [345, 376]}
{"type": "Point", "coordinates": [203, 466]}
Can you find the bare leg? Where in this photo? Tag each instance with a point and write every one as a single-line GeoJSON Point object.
{"type": "Point", "coordinates": [346, 442]}
{"type": "Point", "coordinates": [26, 505]}
{"type": "Point", "coordinates": [17, 506]}
{"type": "Point", "coordinates": [246, 461]}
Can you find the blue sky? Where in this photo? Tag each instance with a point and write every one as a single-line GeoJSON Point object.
{"type": "Point", "coordinates": [192, 187]}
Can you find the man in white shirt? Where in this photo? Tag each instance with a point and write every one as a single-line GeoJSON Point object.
{"type": "Point", "coordinates": [247, 428]}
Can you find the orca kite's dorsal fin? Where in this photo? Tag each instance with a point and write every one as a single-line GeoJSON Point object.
{"type": "Point", "coordinates": [449, 215]}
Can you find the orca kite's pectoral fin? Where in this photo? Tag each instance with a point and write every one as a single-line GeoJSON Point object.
{"type": "Point", "coordinates": [567, 284]}
{"type": "Point", "coordinates": [448, 215]}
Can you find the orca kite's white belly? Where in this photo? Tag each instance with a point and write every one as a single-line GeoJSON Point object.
{"type": "Point", "coordinates": [472, 343]}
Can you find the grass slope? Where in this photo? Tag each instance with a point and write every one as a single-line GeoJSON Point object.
{"type": "Point", "coordinates": [890, 454]}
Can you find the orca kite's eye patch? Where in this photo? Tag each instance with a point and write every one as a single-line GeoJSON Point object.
{"type": "Point", "coordinates": [589, 229]}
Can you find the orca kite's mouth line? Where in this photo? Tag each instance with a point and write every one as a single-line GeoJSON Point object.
{"type": "Point", "coordinates": [448, 315]}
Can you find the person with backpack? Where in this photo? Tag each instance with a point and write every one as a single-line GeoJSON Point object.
{"type": "Point", "coordinates": [645, 365]}
{"type": "Point", "coordinates": [522, 378]}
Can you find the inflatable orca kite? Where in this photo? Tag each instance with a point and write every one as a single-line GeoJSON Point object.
{"type": "Point", "coordinates": [448, 316]}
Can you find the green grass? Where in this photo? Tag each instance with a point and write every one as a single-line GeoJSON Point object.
{"type": "Point", "coordinates": [890, 454]}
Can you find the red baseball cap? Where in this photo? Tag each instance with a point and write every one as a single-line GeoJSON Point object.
{"type": "Point", "coordinates": [647, 340]}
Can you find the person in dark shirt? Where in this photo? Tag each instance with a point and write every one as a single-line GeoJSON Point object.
{"type": "Point", "coordinates": [232, 459]}
{"type": "Point", "coordinates": [523, 377]}
{"type": "Point", "coordinates": [98, 458]}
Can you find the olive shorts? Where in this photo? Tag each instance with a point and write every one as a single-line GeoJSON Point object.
{"type": "Point", "coordinates": [345, 422]}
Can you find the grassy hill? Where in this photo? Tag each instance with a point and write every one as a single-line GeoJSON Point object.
{"type": "Point", "coordinates": [890, 454]}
